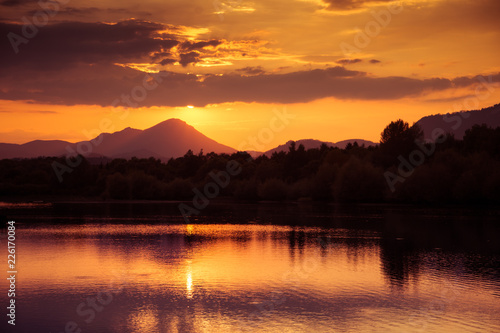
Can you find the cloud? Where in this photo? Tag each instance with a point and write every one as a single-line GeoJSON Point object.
{"type": "Point", "coordinates": [190, 46]}
{"type": "Point", "coordinates": [348, 61]}
{"type": "Point", "coordinates": [93, 11]}
{"type": "Point", "coordinates": [351, 4]}
{"type": "Point", "coordinates": [167, 61]}
{"type": "Point", "coordinates": [188, 58]}
{"type": "Point", "coordinates": [374, 61]}
{"type": "Point", "coordinates": [72, 11]}
{"type": "Point", "coordinates": [62, 45]}
{"type": "Point", "coordinates": [15, 3]}
{"type": "Point", "coordinates": [65, 44]}
{"type": "Point", "coordinates": [103, 84]}
{"type": "Point", "coordinates": [251, 70]}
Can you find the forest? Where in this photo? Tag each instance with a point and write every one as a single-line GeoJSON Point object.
{"type": "Point", "coordinates": [402, 168]}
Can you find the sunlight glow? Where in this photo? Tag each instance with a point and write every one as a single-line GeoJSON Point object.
{"type": "Point", "coordinates": [144, 320]}
{"type": "Point", "coordinates": [189, 284]}
{"type": "Point", "coordinates": [145, 67]}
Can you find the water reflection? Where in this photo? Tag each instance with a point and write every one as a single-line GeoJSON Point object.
{"type": "Point", "coordinates": [189, 281]}
{"type": "Point", "coordinates": [400, 261]}
{"type": "Point", "coordinates": [402, 274]}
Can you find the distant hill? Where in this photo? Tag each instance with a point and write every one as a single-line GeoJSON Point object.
{"type": "Point", "coordinates": [342, 144]}
{"type": "Point", "coordinates": [458, 122]}
{"type": "Point", "coordinates": [310, 144]}
{"type": "Point", "coordinates": [33, 149]}
{"type": "Point", "coordinates": [171, 138]}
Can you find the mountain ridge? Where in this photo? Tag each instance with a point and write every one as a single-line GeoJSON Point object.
{"type": "Point", "coordinates": [154, 141]}
{"type": "Point", "coordinates": [313, 143]}
{"type": "Point", "coordinates": [457, 123]}
{"type": "Point", "coordinates": [174, 137]}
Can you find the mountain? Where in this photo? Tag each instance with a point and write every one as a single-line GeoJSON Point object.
{"type": "Point", "coordinates": [34, 149]}
{"type": "Point", "coordinates": [342, 144]}
{"type": "Point", "coordinates": [310, 144]}
{"type": "Point", "coordinates": [458, 122]}
{"type": "Point", "coordinates": [171, 138]}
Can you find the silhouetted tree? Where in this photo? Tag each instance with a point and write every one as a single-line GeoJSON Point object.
{"type": "Point", "coordinates": [398, 138]}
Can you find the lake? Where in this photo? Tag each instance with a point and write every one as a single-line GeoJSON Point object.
{"type": "Point", "coordinates": [296, 267]}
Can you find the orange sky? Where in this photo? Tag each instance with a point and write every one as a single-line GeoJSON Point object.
{"type": "Point", "coordinates": [343, 68]}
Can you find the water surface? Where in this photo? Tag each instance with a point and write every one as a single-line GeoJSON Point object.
{"type": "Point", "coordinates": [255, 268]}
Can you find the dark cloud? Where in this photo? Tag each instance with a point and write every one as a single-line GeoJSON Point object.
{"type": "Point", "coordinates": [464, 81]}
{"type": "Point", "coordinates": [375, 61]}
{"type": "Point", "coordinates": [103, 84]}
{"type": "Point", "coordinates": [66, 44]}
{"type": "Point", "coordinates": [79, 63]}
{"type": "Point", "coordinates": [350, 4]}
{"type": "Point", "coordinates": [91, 12]}
{"type": "Point", "coordinates": [252, 70]}
{"type": "Point", "coordinates": [62, 45]}
{"type": "Point", "coordinates": [72, 11]}
{"type": "Point", "coordinates": [188, 58]}
{"type": "Point", "coordinates": [160, 55]}
{"type": "Point", "coordinates": [191, 46]}
{"type": "Point", "coordinates": [131, 13]}
{"type": "Point", "coordinates": [14, 3]}
{"type": "Point", "coordinates": [348, 61]}
{"type": "Point", "coordinates": [167, 61]}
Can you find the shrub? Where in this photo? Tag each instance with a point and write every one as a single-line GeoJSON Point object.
{"type": "Point", "coordinates": [272, 189]}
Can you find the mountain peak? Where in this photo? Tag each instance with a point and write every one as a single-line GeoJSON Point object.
{"type": "Point", "coordinates": [173, 121]}
{"type": "Point", "coordinates": [170, 124]}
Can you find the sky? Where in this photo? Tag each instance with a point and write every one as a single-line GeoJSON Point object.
{"type": "Point", "coordinates": [339, 69]}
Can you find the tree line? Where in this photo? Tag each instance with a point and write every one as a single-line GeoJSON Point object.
{"type": "Point", "coordinates": [402, 168]}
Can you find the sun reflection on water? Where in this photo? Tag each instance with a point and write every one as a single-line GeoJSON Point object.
{"type": "Point", "coordinates": [189, 285]}
{"type": "Point", "coordinates": [144, 320]}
